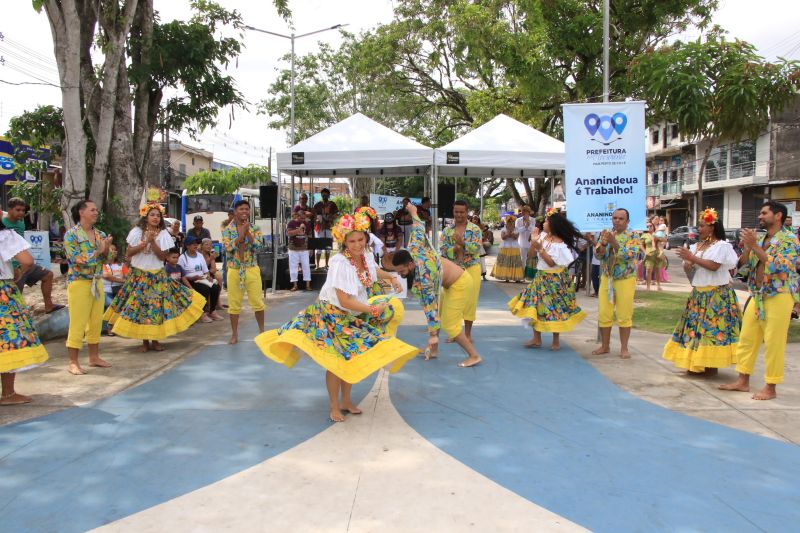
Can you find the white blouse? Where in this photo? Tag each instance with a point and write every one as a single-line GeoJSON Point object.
{"type": "Point", "coordinates": [343, 276]}
{"type": "Point", "coordinates": [558, 252]}
{"type": "Point", "coordinates": [148, 260]}
{"type": "Point", "coordinates": [720, 252]}
{"type": "Point", "coordinates": [509, 242]}
{"type": "Point", "coordinates": [524, 231]}
{"type": "Point", "coordinates": [11, 244]}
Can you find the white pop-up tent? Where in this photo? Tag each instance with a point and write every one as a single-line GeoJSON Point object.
{"type": "Point", "coordinates": [357, 146]}
{"type": "Point", "coordinates": [503, 147]}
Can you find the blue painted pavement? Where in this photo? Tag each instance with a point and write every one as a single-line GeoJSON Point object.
{"type": "Point", "coordinates": [552, 429]}
{"type": "Point", "coordinates": [218, 413]}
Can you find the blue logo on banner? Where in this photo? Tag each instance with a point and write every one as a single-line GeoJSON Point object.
{"type": "Point", "coordinates": [606, 126]}
{"type": "Point", "coordinates": [36, 239]}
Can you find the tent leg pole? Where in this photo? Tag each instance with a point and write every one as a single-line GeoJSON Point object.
{"type": "Point", "coordinates": [275, 239]}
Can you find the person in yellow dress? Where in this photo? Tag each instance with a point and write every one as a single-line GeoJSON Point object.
{"type": "Point", "coordinates": [346, 332]}
{"type": "Point", "coordinates": [20, 347]}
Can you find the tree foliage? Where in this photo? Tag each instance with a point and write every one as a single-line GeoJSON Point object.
{"type": "Point", "coordinates": [441, 67]}
{"type": "Point", "coordinates": [715, 89]}
{"type": "Point", "coordinates": [221, 182]}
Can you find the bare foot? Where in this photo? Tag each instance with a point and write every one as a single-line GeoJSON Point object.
{"type": "Point", "coordinates": [99, 362]}
{"type": "Point", "coordinates": [352, 409]}
{"type": "Point", "coordinates": [450, 341]}
{"type": "Point", "coordinates": [430, 354]}
{"type": "Point", "coordinates": [624, 354]}
{"type": "Point", "coordinates": [76, 370]}
{"type": "Point", "coordinates": [145, 347]}
{"type": "Point", "coordinates": [156, 346]}
{"type": "Point", "coordinates": [533, 344]}
{"type": "Point", "coordinates": [555, 347]}
{"type": "Point", "coordinates": [15, 399]}
{"type": "Point", "coordinates": [767, 393]}
{"type": "Point", "coordinates": [738, 385]}
{"type": "Point", "coordinates": [336, 416]}
{"type": "Point", "coordinates": [601, 350]}
{"type": "Point", "coordinates": [470, 362]}
{"type": "Point", "coordinates": [233, 340]}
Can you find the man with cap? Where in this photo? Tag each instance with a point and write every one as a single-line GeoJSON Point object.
{"type": "Point", "coordinates": [198, 231]}
{"type": "Point", "coordinates": [326, 212]}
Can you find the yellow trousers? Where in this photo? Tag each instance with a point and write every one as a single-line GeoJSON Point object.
{"type": "Point", "coordinates": [471, 307]}
{"type": "Point", "coordinates": [772, 331]}
{"type": "Point", "coordinates": [454, 302]}
{"type": "Point", "coordinates": [85, 313]}
{"type": "Point", "coordinates": [252, 285]}
{"type": "Point", "coordinates": [622, 304]}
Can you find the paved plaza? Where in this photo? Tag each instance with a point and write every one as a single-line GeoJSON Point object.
{"type": "Point", "coordinates": [207, 437]}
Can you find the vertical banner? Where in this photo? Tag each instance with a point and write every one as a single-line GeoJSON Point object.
{"type": "Point", "coordinates": [40, 247]}
{"type": "Point", "coordinates": [605, 163]}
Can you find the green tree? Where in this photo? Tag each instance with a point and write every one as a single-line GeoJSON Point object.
{"type": "Point", "coordinates": [118, 94]}
{"type": "Point", "coordinates": [715, 90]}
{"type": "Point", "coordinates": [221, 182]}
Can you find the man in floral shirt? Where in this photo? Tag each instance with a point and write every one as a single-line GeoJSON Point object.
{"type": "Point", "coordinates": [462, 244]}
{"type": "Point", "coordinates": [435, 279]}
{"type": "Point", "coordinates": [770, 269]}
{"type": "Point", "coordinates": [241, 240]}
{"type": "Point", "coordinates": [619, 252]}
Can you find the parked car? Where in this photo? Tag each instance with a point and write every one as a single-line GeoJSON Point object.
{"type": "Point", "coordinates": [682, 236]}
{"type": "Point", "coordinates": [734, 236]}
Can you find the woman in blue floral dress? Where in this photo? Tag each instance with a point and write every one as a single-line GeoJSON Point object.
{"type": "Point", "coordinates": [150, 305]}
{"type": "Point", "coordinates": [20, 347]}
{"type": "Point", "coordinates": [346, 332]}
{"type": "Point", "coordinates": [707, 333]}
{"type": "Point", "coordinates": [549, 300]}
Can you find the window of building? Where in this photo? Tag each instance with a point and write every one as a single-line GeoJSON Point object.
{"type": "Point", "coordinates": [182, 169]}
{"type": "Point", "coordinates": [717, 166]}
{"type": "Point", "coordinates": [654, 177]}
{"type": "Point", "coordinates": [655, 137]}
{"type": "Point", "coordinates": [193, 161]}
{"type": "Point", "coordinates": [674, 131]}
{"type": "Point", "coordinates": [673, 175]}
{"type": "Point", "coordinates": [743, 159]}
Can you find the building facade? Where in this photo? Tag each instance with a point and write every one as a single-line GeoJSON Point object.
{"type": "Point", "coordinates": [739, 176]}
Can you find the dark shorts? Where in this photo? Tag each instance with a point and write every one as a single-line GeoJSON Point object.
{"type": "Point", "coordinates": [34, 275]}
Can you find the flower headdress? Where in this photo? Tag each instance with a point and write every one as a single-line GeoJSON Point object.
{"type": "Point", "coordinates": [552, 211]}
{"type": "Point", "coordinates": [348, 224]}
{"type": "Point", "coordinates": [146, 208]}
{"type": "Point", "coordinates": [367, 210]}
{"type": "Point", "coordinates": [511, 218]}
{"type": "Point", "coordinates": [709, 216]}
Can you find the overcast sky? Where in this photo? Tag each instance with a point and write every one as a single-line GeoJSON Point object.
{"type": "Point", "coordinates": [27, 47]}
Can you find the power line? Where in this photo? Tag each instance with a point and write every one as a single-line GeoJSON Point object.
{"type": "Point", "coordinates": [30, 83]}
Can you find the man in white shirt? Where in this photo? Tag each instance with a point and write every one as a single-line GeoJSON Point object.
{"type": "Point", "coordinates": [523, 228]}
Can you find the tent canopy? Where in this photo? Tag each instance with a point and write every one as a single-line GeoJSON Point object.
{"type": "Point", "coordinates": [503, 147]}
{"type": "Point", "coordinates": [357, 146]}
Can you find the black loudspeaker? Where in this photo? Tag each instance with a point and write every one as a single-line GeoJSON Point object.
{"type": "Point", "coordinates": [447, 195]}
{"type": "Point", "coordinates": [268, 200]}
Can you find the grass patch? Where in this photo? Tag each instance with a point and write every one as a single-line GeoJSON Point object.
{"type": "Point", "coordinates": [660, 311]}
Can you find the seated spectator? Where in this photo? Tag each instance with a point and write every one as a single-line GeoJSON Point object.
{"type": "Point", "coordinates": [114, 274]}
{"type": "Point", "coordinates": [177, 235]}
{"type": "Point", "coordinates": [15, 219]}
{"type": "Point", "coordinates": [196, 270]}
{"type": "Point", "coordinates": [207, 249]}
{"type": "Point", "coordinates": [174, 270]}
{"type": "Point", "coordinates": [390, 234]}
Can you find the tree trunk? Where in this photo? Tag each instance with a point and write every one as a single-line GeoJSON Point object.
{"type": "Point", "coordinates": [147, 99]}
{"type": "Point", "coordinates": [65, 26]}
{"type": "Point", "coordinates": [361, 187]}
{"type": "Point", "coordinates": [528, 192]}
{"type": "Point", "coordinates": [128, 184]}
{"type": "Point", "coordinates": [116, 26]}
{"type": "Point", "coordinates": [699, 205]}
{"type": "Point", "coordinates": [511, 184]}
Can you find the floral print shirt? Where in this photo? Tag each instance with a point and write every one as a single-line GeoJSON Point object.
{"type": "Point", "coordinates": [780, 274]}
{"type": "Point", "coordinates": [427, 273]}
{"type": "Point", "coordinates": [473, 244]}
{"type": "Point", "coordinates": [81, 254]}
{"type": "Point", "coordinates": [623, 264]}
{"type": "Point", "coordinates": [244, 256]}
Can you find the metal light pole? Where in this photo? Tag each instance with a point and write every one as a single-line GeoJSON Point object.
{"type": "Point", "coordinates": [292, 38]}
{"type": "Point", "coordinates": [605, 49]}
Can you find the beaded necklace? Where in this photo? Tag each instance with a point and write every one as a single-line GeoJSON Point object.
{"type": "Point", "coordinates": [362, 270]}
